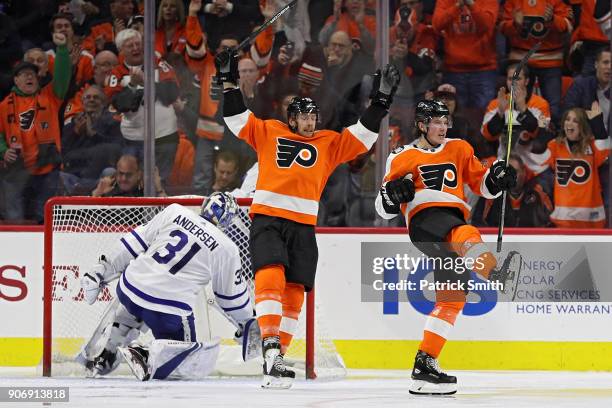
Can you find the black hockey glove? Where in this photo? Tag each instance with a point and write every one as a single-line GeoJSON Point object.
{"type": "Point", "coordinates": [396, 192]}
{"type": "Point", "coordinates": [500, 177]}
{"type": "Point", "coordinates": [226, 63]}
{"type": "Point", "coordinates": [128, 100]}
{"type": "Point", "coordinates": [385, 85]}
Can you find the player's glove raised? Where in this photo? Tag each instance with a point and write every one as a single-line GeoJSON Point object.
{"type": "Point", "coordinates": [385, 85]}
{"type": "Point", "coordinates": [396, 192]}
{"type": "Point", "coordinates": [500, 177]}
{"type": "Point", "coordinates": [226, 63]}
{"type": "Point", "coordinates": [92, 282]}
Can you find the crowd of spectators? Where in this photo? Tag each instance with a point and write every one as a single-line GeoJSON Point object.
{"type": "Point", "coordinates": [72, 113]}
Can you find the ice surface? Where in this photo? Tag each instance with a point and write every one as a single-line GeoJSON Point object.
{"type": "Point", "coordinates": [362, 388]}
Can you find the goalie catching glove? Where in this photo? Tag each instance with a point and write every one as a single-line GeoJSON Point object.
{"type": "Point", "coordinates": [226, 63]}
{"type": "Point", "coordinates": [385, 85]}
{"type": "Point", "coordinates": [500, 177]}
{"type": "Point", "coordinates": [396, 192]}
{"type": "Point", "coordinates": [94, 280]}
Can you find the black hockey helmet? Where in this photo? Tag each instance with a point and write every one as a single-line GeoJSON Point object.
{"type": "Point", "coordinates": [426, 110]}
{"type": "Point", "coordinates": [302, 105]}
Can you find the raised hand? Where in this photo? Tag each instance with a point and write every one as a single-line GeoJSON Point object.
{"type": "Point", "coordinates": [595, 110]}
{"type": "Point", "coordinates": [59, 39]}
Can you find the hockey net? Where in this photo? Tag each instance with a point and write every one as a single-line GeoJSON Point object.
{"type": "Point", "coordinates": [77, 232]}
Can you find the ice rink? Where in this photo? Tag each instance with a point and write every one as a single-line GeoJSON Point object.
{"type": "Point", "coordinates": [358, 389]}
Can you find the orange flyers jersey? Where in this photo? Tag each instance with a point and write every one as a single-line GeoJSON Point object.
{"type": "Point", "coordinates": [120, 76]}
{"type": "Point", "coordinates": [438, 175]}
{"type": "Point", "coordinates": [294, 169]}
{"type": "Point", "coordinates": [537, 105]}
{"type": "Point", "coordinates": [577, 192]}
{"type": "Point", "coordinates": [536, 29]}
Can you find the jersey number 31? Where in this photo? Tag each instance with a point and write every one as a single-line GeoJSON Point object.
{"type": "Point", "coordinates": [174, 248]}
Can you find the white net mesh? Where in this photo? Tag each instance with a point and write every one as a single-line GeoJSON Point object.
{"type": "Point", "coordinates": [81, 232]}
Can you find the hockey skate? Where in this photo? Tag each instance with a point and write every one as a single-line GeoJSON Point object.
{"type": "Point", "coordinates": [275, 374]}
{"type": "Point", "coordinates": [104, 364]}
{"type": "Point", "coordinates": [428, 379]}
{"type": "Point", "coordinates": [136, 358]}
{"type": "Point", "coordinates": [508, 275]}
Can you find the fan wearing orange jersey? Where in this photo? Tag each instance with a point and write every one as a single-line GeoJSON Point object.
{"type": "Point", "coordinates": [295, 160]}
{"type": "Point", "coordinates": [424, 182]}
{"type": "Point", "coordinates": [575, 157]}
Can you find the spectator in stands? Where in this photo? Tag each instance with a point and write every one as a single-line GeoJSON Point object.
{"type": "Point", "coordinates": [529, 108]}
{"type": "Point", "coordinates": [588, 38]}
{"type": "Point", "coordinates": [82, 61]}
{"type": "Point", "coordinates": [91, 142]}
{"type": "Point", "coordinates": [581, 147]}
{"type": "Point", "coordinates": [103, 36]}
{"type": "Point", "coordinates": [39, 58]}
{"type": "Point", "coordinates": [586, 89]}
{"type": "Point", "coordinates": [350, 17]}
{"type": "Point", "coordinates": [548, 22]}
{"type": "Point", "coordinates": [248, 79]}
{"type": "Point", "coordinates": [126, 180]}
{"type": "Point", "coordinates": [346, 69]}
{"type": "Point", "coordinates": [126, 90]}
{"type": "Point", "coordinates": [174, 30]}
{"type": "Point", "coordinates": [30, 137]}
{"type": "Point", "coordinates": [468, 28]}
{"type": "Point", "coordinates": [226, 172]}
{"type": "Point", "coordinates": [209, 129]}
{"type": "Point", "coordinates": [413, 47]}
{"type": "Point", "coordinates": [225, 17]}
{"type": "Point", "coordinates": [527, 205]}
{"type": "Point", "coordinates": [10, 50]}
{"type": "Point", "coordinates": [104, 62]}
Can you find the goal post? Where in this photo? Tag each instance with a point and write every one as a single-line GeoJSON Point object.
{"type": "Point", "coordinates": [78, 229]}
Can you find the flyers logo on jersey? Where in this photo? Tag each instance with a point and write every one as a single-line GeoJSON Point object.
{"type": "Point", "coordinates": [436, 176]}
{"type": "Point", "coordinates": [577, 171]}
{"type": "Point", "coordinates": [26, 119]}
{"type": "Point", "coordinates": [290, 151]}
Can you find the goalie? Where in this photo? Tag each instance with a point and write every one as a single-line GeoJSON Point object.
{"type": "Point", "coordinates": [161, 267]}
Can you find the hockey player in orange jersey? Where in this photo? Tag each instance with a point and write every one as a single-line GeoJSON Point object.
{"type": "Point", "coordinates": [424, 182]}
{"type": "Point", "coordinates": [295, 161]}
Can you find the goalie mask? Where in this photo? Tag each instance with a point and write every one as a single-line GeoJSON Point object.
{"type": "Point", "coordinates": [301, 105]}
{"type": "Point", "coordinates": [220, 209]}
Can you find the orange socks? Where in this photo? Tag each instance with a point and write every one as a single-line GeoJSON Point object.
{"type": "Point", "coordinates": [441, 320]}
{"type": "Point", "coordinates": [293, 298]}
{"type": "Point", "coordinates": [277, 304]}
{"type": "Point", "coordinates": [466, 241]}
{"type": "Point", "coordinates": [269, 287]}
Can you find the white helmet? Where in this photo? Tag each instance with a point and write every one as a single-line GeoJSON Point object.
{"type": "Point", "coordinates": [220, 209]}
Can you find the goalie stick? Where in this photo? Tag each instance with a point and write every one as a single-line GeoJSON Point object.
{"type": "Point", "coordinates": [515, 76]}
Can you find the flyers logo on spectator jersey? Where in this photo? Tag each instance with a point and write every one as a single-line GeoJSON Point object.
{"type": "Point", "coordinates": [290, 151]}
{"type": "Point", "coordinates": [436, 176]}
{"type": "Point", "coordinates": [26, 119]}
{"type": "Point", "coordinates": [577, 171]}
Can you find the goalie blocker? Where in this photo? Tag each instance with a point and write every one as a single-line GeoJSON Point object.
{"type": "Point", "coordinates": [166, 263]}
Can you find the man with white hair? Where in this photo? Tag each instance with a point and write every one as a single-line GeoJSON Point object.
{"type": "Point", "coordinates": [125, 87]}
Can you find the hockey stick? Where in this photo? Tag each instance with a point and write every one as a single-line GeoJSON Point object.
{"type": "Point", "coordinates": [515, 76]}
{"type": "Point", "coordinates": [265, 25]}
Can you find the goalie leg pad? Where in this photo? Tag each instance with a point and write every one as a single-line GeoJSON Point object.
{"type": "Point", "coordinates": [251, 340]}
{"type": "Point", "coordinates": [182, 360]}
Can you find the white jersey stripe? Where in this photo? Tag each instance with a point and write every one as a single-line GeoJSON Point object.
{"type": "Point", "coordinates": [285, 202]}
{"type": "Point", "coordinates": [365, 135]}
{"type": "Point", "coordinates": [237, 122]}
{"type": "Point", "coordinates": [288, 325]}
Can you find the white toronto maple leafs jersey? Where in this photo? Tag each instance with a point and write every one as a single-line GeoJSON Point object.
{"type": "Point", "coordinates": [168, 261]}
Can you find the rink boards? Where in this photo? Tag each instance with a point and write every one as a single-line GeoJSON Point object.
{"type": "Point", "coordinates": [560, 335]}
